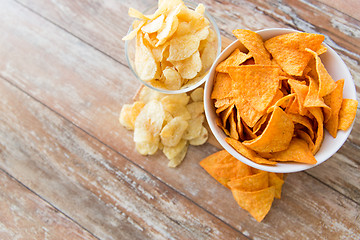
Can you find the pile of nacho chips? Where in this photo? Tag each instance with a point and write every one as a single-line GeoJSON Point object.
{"type": "Point", "coordinates": [175, 46]}
{"type": "Point", "coordinates": [254, 190]}
{"type": "Point", "coordinates": [274, 99]}
{"type": "Point", "coordinates": [166, 122]}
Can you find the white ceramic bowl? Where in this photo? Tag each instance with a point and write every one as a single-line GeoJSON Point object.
{"type": "Point", "coordinates": [336, 68]}
{"type": "Point", "coordinates": [130, 53]}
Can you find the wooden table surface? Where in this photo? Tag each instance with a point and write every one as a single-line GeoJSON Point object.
{"type": "Point", "coordinates": [68, 170]}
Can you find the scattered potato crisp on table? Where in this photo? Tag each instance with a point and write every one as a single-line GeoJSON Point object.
{"type": "Point", "coordinates": [274, 100]}
{"type": "Point", "coordinates": [167, 122]}
{"type": "Point", "coordinates": [254, 190]}
{"type": "Point", "coordinates": [175, 46]}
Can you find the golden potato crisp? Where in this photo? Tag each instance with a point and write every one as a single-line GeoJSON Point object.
{"type": "Point", "coordinates": [184, 46]}
{"type": "Point", "coordinates": [189, 67]}
{"type": "Point", "coordinates": [169, 122]}
{"type": "Point", "coordinates": [154, 25]}
{"type": "Point", "coordinates": [208, 51]}
{"type": "Point", "coordinates": [200, 140]}
{"type": "Point", "coordinates": [172, 132]}
{"type": "Point", "coordinates": [145, 63]}
{"type": "Point", "coordinates": [172, 78]}
{"type": "Point", "coordinates": [197, 95]}
{"type": "Point", "coordinates": [171, 24]}
{"type": "Point", "coordinates": [125, 117]}
{"type": "Point", "coordinates": [175, 161]}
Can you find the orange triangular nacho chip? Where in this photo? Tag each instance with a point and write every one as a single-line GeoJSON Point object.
{"type": "Point", "coordinates": [255, 84]}
{"type": "Point", "coordinates": [239, 125]}
{"type": "Point", "coordinates": [322, 49]}
{"type": "Point", "coordinates": [285, 100]}
{"type": "Point", "coordinates": [318, 114]}
{"type": "Point", "coordinates": [222, 86]}
{"type": "Point", "coordinates": [257, 203]}
{"type": "Point", "coordinates": [254, 43]}
{"type": "Point", "coordinates": [305, 121]}
{"type": "Point", "coordinates": [235, 59]}
{"type": "Point", "coordinates": [298, 151]}
{"type": "Point", "coordinates": [313, 99]}
{"type": "Point", "coordinates": [246, 112]}
{"type": "Point", "coordinates": [223, 104]}
{"type": "Point", "coordinates": [306, 137]}
{"type": "Point", "coordinates": [301, 90]}
{"type": "Point", "coordinates": [347, 113]}
{"type": "Point", "coordinates": [334, 100]}
{"type": "Point", "coordinates": [250, 183]}
{"type": "Point", "coordinates": [276, 181]}
{"type": "Point", "coordinates": [319, 72]}
{"type": "Point", "coordinates": [232, 125]}
{"type": "Point", "coordinates": [288, 50]}
{"type": "Point", "coordinates": [226, 114]}
{"type": "Point", "coordinates": [276, 136]}
{"type": "Point", "coordinates": [247, 152]}
{"type": "Point", "coordinates": [224, 167]}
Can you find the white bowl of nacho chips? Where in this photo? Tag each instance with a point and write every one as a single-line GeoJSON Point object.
{"type": "Point", "coordinates": [171, 46]}
{"type": "Point", "coordinates": [279, 127]}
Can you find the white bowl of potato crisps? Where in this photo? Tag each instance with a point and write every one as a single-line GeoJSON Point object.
{"type": "Point", "coordinates": [280, 100]}
{"type": "Point", "coordinates": [171, 46]}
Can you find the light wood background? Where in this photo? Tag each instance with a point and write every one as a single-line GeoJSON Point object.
{"type": "Point", "coordinates": [68, 170]}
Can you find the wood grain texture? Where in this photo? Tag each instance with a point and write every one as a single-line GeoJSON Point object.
{"type": "Point", "coordinates": [88, 181]}
{"type": "Point", "coordinates": [68, 56]}
{"type": "Point", "coordinates": [349, 7]}
{"type": "Point", "coordinates": [24, 215]}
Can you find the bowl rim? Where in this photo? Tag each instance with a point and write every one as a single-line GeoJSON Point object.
{"type": "Point", "coordinates": [193, 86]}
{"type": "Point", "coordinates": [288, 167]}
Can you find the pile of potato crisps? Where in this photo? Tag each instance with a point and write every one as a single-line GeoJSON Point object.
{"type": "Point", "coordinates": [254, 190]}
{"type": "Point", "coordinates": [175, 46]}
{"type": "Point", "coordinates": [169, 122]}
{"type": "Point", "coordinates": [274, 99]}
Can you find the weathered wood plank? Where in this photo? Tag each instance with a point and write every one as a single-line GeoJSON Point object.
{"type": "Point", "coordinates": [24, 215]}
{"type": "Point", "coordinates": [82, 85]}
{"type": "Point", "coordinates": [229, 16]}
{"type": "Point", "coordinates": [88, 181]}
{"type": "Point", "coordinates": [105, 25]}
{"type": "Point", "coordinates": [349, 7]}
